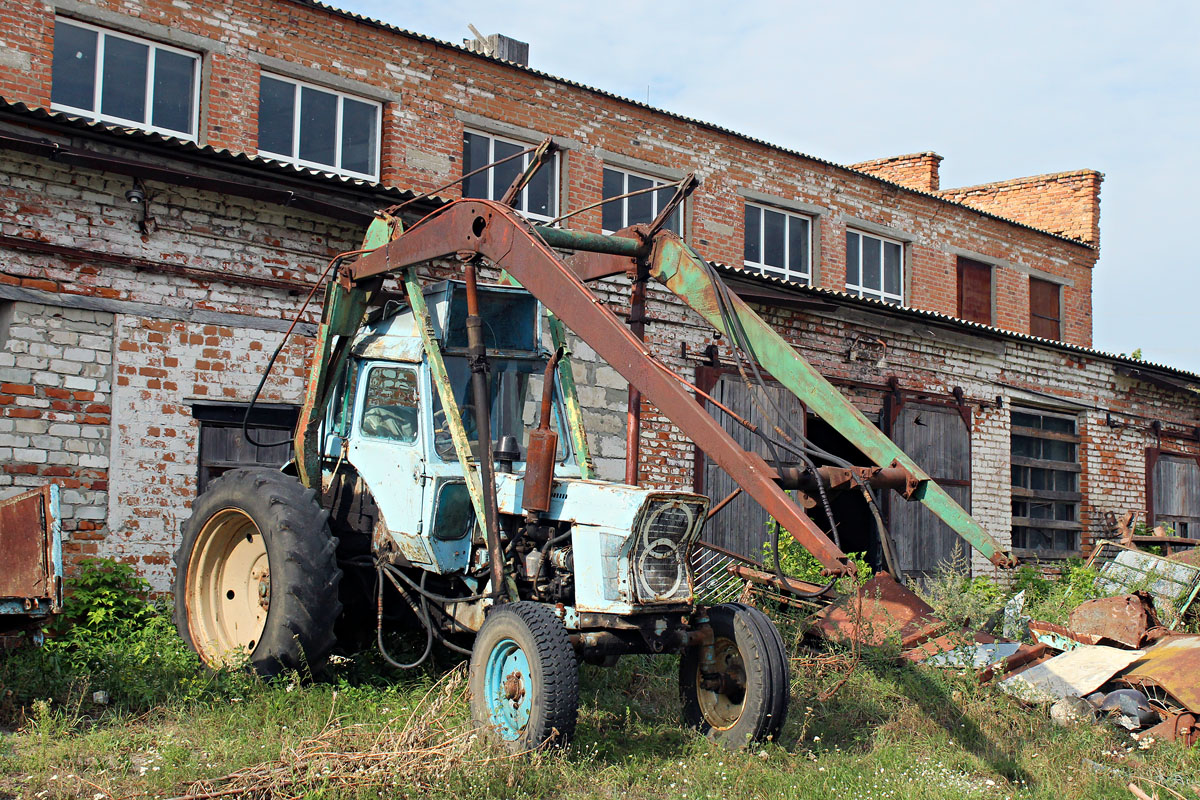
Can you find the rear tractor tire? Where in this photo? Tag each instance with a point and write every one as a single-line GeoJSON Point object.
{"type": "Point", "coordinates": [738, 692]}
{"type": "Point", "coordinates": [524, 680]}
{"type": "Point", "coordinates": [256, 575]}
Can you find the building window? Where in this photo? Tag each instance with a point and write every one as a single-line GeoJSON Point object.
{"type": "Point", "coordinates": [641, 208]}
{"type": "Point", "coordinates": [1174, 492]}
{"type": "Point", "coordinates": [223, 447]}
{"type": "Point", "coordinates": [538, 200]}
{"type": "Point", "coordinates": [974, 291]}
{"type": "Point", "coordinates": [874, 267]}
{"type": "Point", "coordinates": [117, 78]}
{"type": "Point", "coordinates": [1045, 481]}
{"type": "Point", "coordinates": [1045, 314]}
{"type": "Point", "coordinates": [778, 243]}
{"type": "Point", "coordinates": [318, 128]}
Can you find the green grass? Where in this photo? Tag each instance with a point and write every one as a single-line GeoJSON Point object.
{"type": "Point", "coordinates": [889, 731]}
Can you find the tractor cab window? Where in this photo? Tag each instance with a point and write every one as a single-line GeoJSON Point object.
{"type": "Point", "coordinates": [390, 407]}
{"type": "Point", "coordinates": [516, 396]}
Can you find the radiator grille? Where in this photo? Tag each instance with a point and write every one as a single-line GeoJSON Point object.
{"type": "Point", "coordinates": [660, 566]}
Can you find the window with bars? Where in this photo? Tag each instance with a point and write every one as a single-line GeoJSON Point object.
{"type": "Point", "coordinates": [1045, 480]}
{"type": "Point", "coordinates": [1174, 492]}
{"type": "Point", "coordinates": [538, 200]}
{"type": "Point", "coordinates": [875, 267]}
{"type": "Point", "coordinates": [114, 77]}
{"type": "Point", "coordinates": [641, 208]}
{"type": "Point", "coordinates": [318, 128]}
{"type": "Point", "coordinates": [1045, 309]}
{"type": "Point", "coordinates": [778, 243]}
{"type": "Point", "coordinates": [223, 447]}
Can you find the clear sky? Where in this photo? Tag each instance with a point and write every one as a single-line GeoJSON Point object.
{"type": "Point", "coordinates": [1001, 90]}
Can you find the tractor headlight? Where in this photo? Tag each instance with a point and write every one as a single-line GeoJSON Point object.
{"type": "Point", "coordinates": [659, 557]}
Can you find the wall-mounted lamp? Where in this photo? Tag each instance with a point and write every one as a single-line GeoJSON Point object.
{"type": "Point", "coordinates": [139, 198]}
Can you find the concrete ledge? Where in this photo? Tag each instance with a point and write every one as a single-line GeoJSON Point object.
{"type": "Point", "coordinates": [498, 128]}
{"type": "Point", "coordinates": [87, 12]}
{"type": "Point", "coordinates": [151, 311]}
{"type": "Point", "coordinates": [290, 69]}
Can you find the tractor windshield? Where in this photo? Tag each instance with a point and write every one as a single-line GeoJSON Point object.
{"type": "Point", "coordinates": [516, 395]}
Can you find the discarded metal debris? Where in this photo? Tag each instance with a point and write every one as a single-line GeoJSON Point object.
{"type": "Point", "coordinates": [1169, 672]}
{"type": "Point", "coordinates": [1174, 585]}
{"type": "Point", "coordinates": [1127, 620]}
{"type": "Point", "coordinates": [880, 611]}
{"type": "Point", "coordinates": [1077, 672]}
{"type": "Point", "coordinates": [1129, 708]}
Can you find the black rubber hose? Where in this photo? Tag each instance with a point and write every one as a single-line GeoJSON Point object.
{"type": "Point", "coordinates": [422, 615]}
{"type": "Point", "coordinates": [437, 598]}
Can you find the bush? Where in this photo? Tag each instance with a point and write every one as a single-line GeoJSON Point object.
{"type": "Point", "coordinates": [103, 595]}
{"type": "Point", "coordinates": [110, 639]}
{"type": "Point", "coordinates": [796, 562]}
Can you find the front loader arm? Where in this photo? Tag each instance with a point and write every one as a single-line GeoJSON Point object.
{"type": "Point", "coordinates": [341, 316]}
{"type": "Point", "coordinates": [470, 228]}
{"type": "Point", "coordinates": [684, 272]}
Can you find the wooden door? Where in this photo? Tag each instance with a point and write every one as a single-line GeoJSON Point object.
{"type": "Point", "coordinates": [741, 525]}
{"type": "Point", "coordinates": [939, 440]}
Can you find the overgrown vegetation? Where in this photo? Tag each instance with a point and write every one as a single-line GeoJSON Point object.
{"type": "Point", "coordinates": [890, 731]}
{"type": "Point", "coordinates": [977, 603]}
{"type": "Point", "coordinates": [798, 563]}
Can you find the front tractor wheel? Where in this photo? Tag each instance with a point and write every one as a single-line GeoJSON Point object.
{"type": "Point", "coordinates": [736, 691]}
{"type": "Point", "coordinates": [256, 575]}
{"type": "Point", "coordinates": [524, 680]}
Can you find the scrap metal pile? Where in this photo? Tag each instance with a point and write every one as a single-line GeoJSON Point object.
{"type": "Point", "coordinates": [1123, 658]}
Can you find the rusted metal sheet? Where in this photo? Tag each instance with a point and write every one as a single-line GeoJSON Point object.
{"type": "Point", "coordinates": [1077, 672]}
{"type": "Point", "coordinates": [26, 547]}
{"type": "Point", "coordinates": [1172, 665]}
{"type": "Point", "coordinates": [1173, 585]}
{"type": "Point", "coordinates": [881, 610]}
{"type": "Point", "coordinates": [1060, 637]}
{"type": "Point", "coordinates": [1126, 619]}
{"type": "Point", "coordinates": [1174, 728]}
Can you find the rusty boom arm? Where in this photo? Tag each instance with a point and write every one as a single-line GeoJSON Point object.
{"type": "Point", "coordinates": [470, 229]}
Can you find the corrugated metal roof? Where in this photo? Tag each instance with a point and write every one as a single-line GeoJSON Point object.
{"type": "Point", "coordinates": [219, 154]}
{"type": "Point", "coordinates": [690, 120]}
{"type": "Point", "coordinates": [918, 313]}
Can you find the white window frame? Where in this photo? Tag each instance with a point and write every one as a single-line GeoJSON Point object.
{"type": "Point", "coordinates": [496, 192]}
{"type": "Point", "coordinates": [858, 290]}
{"type": "Point", "coordinates": [297, 85]}
{"type": "Point", "coordinates": [785, 272]}
{"type": "Point", "coordinates": [97, 80]}
{"type": "Point", "coordinates": [624, 202]}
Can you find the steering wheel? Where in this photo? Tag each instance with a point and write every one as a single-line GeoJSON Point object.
{"type": "Point", "coordinates": [443, 441]}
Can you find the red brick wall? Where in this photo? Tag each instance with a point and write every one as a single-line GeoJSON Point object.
{"type": "Point", "coordinates": [916, 171]}
{"type": "Point", "coordinates": [421, 145]}
{"type": "Point", "coordinates": [1067, 203]}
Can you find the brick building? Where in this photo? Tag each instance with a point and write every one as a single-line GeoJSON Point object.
{"type": "Point", "coordinates": [179, 175]}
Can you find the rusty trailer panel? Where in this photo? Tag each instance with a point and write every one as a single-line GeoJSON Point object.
{"type": "Point", "coordinates": [31, 552]}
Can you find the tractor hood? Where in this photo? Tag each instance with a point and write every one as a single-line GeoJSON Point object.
{"type": "Point", "coordinates": [630, 544]}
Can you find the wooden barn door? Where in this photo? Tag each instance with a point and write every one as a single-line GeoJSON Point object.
{"type": "Point", "coordinates": [740, 526]}
{"type": "Point", "coordinates": [938, 438]}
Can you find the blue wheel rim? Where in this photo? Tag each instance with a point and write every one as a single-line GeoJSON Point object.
{"type": "Point", "coordinates": [508, 687]}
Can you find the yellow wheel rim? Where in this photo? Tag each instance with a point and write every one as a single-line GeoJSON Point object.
{"type": "Point", "coordinates": [722, 707]}
{"type": "Point", "coordinates": [228, 587]}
